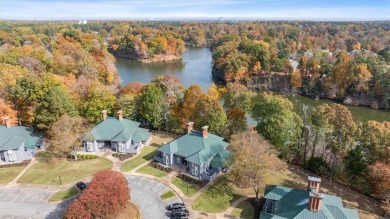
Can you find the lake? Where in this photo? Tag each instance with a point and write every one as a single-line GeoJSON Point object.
{"type": "Point", "coordinates": [195, 68]}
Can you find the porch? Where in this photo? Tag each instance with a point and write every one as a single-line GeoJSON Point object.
{"type": "Point", "coordinates": [208, 174]}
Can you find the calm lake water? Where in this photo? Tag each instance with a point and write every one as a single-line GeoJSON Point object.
{"type": "Point", "coordinates": [195, 68]}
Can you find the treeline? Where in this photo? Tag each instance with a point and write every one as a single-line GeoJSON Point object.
{"type": "Point", "coordinates": [144, 43]}
{"type": "Point", "coordinates": [51, 70]}
{"type": "Point", "coordinates": [166, 104]}
{"type": "Point", "coordinates": [343, 61]}
{"type": "Point", "coordinates": [330, 143]}
{"type": "Point", "coordinates": [357, 78]}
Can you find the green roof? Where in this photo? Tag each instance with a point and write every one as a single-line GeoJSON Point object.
{"type": "Point", "coordinates": [293, 203]}
{"type": "Point", "coordinates": [16, 136]}
{"type": "Point", "coordinates": [112, 129]}
{"type": "Point", "coordinates": [196, 149]}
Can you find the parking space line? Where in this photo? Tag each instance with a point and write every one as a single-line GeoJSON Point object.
{"type": "Point", "coordinates": [32, 199]}
{"type": "Point", "coordinates": [10, 195]}
{"type": "Point", "coordinates": [41, 197]}
{"type": "Point", "coordinates": [47, 196]}
{"type": "Point", "coordinates": [16, 198]}
{"type": "Point", "coordinates": [4, 195]}
{"type": "Point", "coordinates": [3, 191]}
{"type": "Point", "coordinates": [27, 195]}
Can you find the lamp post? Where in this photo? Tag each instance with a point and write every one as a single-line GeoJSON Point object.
{"type": "Point", "coordinates": [60, 180]}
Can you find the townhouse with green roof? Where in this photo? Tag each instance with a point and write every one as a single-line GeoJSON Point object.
{"type": "Point", "coordinates": [18, 143]}
{"type": "Point", "coordinates": [285, 203]}
{"type": "Point", "coordinates": [118, 134]}
{"type": "Point", "coordinates": [203, 154]}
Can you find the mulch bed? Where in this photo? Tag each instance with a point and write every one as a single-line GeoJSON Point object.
{"type": "Point", "coordinates": [160, 167]}
{"type": "Point", "coordinates": [122, 157]}
{"type": "Point", "coordinates": [191, 180]}
{"type": "Point", "coordinates": [23, 163]}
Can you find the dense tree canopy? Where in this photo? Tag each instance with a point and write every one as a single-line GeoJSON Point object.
{"type": "Point", "coordinates": [105, 197]}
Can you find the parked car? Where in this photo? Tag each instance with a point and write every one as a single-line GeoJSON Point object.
{"type": "Point", "coordinates": [180, 213]}
{"type": "Point", "coordinates": [175, 206]}
{"type": "Point", "coordinates": [81, 185]}
{"type": "Point", "coordinates": [179, 217]}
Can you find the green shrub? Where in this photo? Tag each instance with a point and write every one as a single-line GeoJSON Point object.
{"type": "Point", "coordinates": [45, 156]}
{"type": "Point", "coordinates": [317, 165]}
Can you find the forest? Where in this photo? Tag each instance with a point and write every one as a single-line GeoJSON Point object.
{"type": "Point", "coordinates": [60, 76]}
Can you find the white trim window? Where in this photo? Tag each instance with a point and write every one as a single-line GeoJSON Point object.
{"type": "Point", "coordinates": [121, 147]}
{"type": "Point", "coordinates": [11, 155]}
{"type": "Point", "coordinates": [195, 169]}
{"type": "Point", "coordinates": [166, 159]}
{"type": "Point", "coordinates": [179, 160]}
{"type": "Point", "coordinates": [89, 146]}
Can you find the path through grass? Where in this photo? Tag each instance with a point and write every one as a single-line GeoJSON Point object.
{"type": "Point", "coordinates": [61, 171]}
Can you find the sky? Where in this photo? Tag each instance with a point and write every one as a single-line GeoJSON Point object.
{"type": "Point", "coordinates": [333, 10]}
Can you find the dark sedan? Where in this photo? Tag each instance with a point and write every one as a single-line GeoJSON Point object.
{"type": "Point", "coordinates": [175, 206]}
{"type": "Point", "coordinates": [81, 185]}
{"type": "Point", "coordinates": [176, 213]}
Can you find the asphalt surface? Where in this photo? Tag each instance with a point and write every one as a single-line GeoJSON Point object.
{"type": "Point", "coordinates": [18, 203]}
{"type": "Point", "coordinates": [145, 193]}
{"type": "Point", "coordinates": [29, 203]}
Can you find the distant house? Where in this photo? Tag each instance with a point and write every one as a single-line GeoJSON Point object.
{"type": "Point", "coordinates": [118, 134]}
{"type": "Point", "coordinates": [283, 203]}
{"type": "Point", "coordinates": [17, 143]}
{"type": "Point", "coordinates": [203, 154]}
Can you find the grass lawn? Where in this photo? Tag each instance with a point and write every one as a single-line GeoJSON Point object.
{"type": "Point", "coordinates": [69, 171]}
{"type": "Point", "coordinates": [217, 198]}
{"type": "Point", "coordinates": [146, 154]}
{"type": "Point", "coordinates": [7, 174]}
{"type": "Point", "coordinates": [167, 195]}
{"type": "Point", "coordinates": [244, 210]}
{"type": "Point", "coordinates": [152, 171]}
{"type": "Point", "coordinates": [64, 194]}
{"type": "Point", "coordinates": [192, 189]}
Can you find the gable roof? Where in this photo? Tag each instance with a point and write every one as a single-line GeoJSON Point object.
{"type": "Point", "coordinates": [196, 149]}
{"type": "Point", "coordinates": [293, 203]}
{"type": "Point", "coordinates": [14, 137]}
{"type": "Point", "coordinates": [112, 129]}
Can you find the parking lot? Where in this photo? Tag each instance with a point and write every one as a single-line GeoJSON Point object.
{"type": "Point", "coordinates": [145, 193]}
{"type": "Point", "coordinates": [24, 195]}
{"type": "Point", "coordinates": [28, 203]}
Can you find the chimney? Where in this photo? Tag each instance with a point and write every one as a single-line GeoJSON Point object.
{"type": "Point", "coordinates": [205, 131]}
{"type": "Point", "coordinates": [104, 115]}
{"type": "Point", "coordinates": [313, 183]}
{"type": "Point", "coordinates": [190, 126]}
{"type": "Point", "coordinates": [7, 122]}
{"type": "Point", "coordinates": [120, 115]}
{"type": "Point", "coordinates": [315, 201]}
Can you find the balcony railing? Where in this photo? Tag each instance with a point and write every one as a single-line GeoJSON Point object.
{"type": "Point", "coordinates": [208, 175]}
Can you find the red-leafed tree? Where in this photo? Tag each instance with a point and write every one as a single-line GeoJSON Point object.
{"type": "Point", "coordinates": [105, 197]}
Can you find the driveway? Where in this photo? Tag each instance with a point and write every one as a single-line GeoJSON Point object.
{"type": "Point", "coordinates": [28, 203]}
{"type": "Point", "coordinates": [145, 193]}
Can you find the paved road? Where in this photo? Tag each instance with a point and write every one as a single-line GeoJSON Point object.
{"type": "Point", "coordinates": [145, 193]}
{"type": "Point", "coordinates": [28, 203]}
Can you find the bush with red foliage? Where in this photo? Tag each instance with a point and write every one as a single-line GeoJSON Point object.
{"type": "Point", "coordinates": [105, 197]}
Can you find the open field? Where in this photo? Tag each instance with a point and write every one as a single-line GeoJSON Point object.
{"type": "Point", "coordinates": [7, 174]}
{"type": "Point", "coordinates": [61, 171]}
